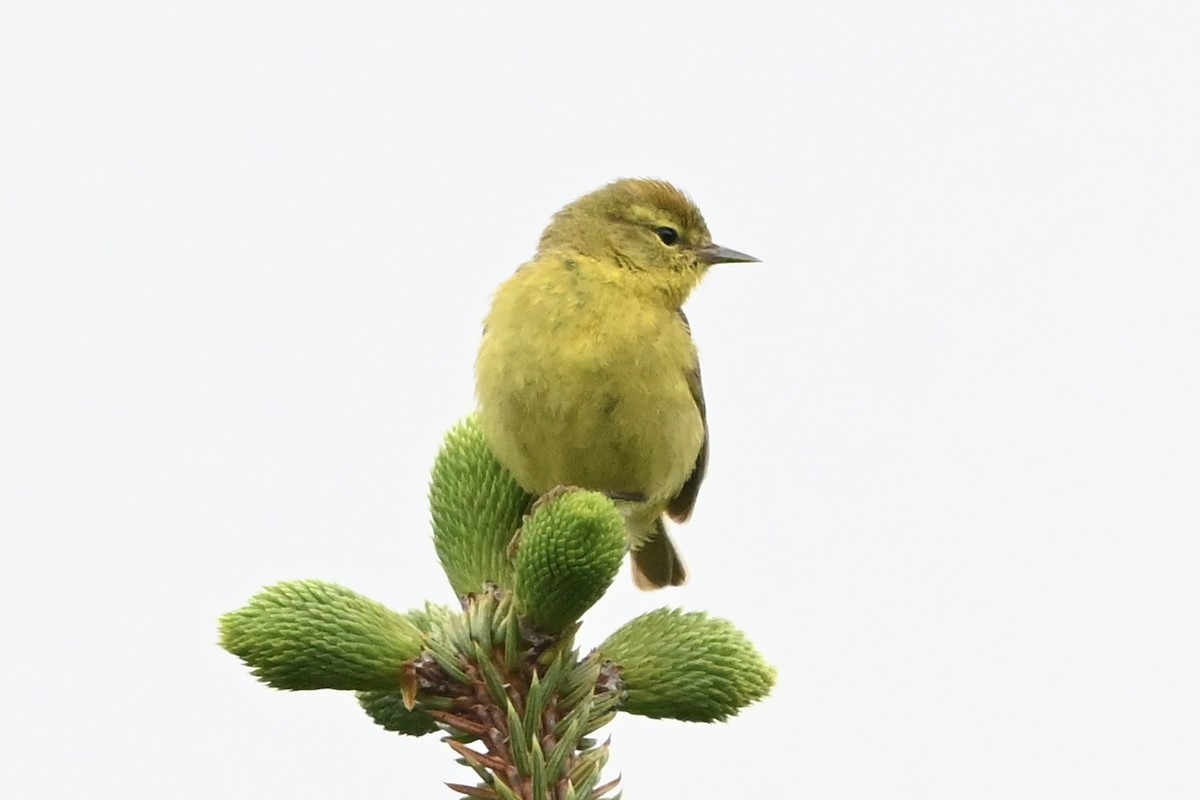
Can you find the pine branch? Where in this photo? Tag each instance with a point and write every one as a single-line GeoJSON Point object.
{"type": "Point", "coordinates": [503, 673]}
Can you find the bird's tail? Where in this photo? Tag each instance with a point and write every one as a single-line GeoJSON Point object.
{"type": "Point", "coordinates": [656, 562]}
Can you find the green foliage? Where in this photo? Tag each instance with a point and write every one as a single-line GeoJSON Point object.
{"type": "Point", "coordinates": [389, 712]}
{"type": "Point", "coordinates": [690, 667]}
{"type": "Point", "coordinates": [317, 635]}
{"type": "Point", "coordinates": [503, 673]}
{"type": "Point", "coordinates": [476, 507]}
{"type": "Point", "coordinates": [570, 550]}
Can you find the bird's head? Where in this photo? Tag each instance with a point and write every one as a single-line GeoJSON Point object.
{"type": "Point", "coordinates": [648, 229]}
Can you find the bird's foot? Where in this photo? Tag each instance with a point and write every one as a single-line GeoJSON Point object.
{"type": "Point", "coordinates": [626, 497]}
{"type": "Point", "coordinates": [548, 497]}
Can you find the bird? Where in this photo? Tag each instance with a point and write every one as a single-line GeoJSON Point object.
{"type": "Point", "coordinates": [587, 374]}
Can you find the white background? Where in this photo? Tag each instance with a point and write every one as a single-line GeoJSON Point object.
{"type": "Point", "coordinates": [246, 249]}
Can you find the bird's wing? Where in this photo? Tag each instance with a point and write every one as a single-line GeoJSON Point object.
{"type": "Point", "coordinates": [681, 505]}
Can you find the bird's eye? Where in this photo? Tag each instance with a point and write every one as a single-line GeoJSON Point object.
{"type": "Point", "coordinates": [668, 235]}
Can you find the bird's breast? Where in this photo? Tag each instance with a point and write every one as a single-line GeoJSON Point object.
{"type": "Point", "coordinates": [589, 388]}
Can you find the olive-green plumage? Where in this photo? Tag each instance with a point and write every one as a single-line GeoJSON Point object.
{"type": "Point", "coordinates": [588, 376]}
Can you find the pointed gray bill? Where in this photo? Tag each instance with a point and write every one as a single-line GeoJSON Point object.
{"type": "Point", "coordinates": [715, 254]}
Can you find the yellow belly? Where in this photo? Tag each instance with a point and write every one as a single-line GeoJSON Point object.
{"type": "Point", "coordinates": [583, 385]}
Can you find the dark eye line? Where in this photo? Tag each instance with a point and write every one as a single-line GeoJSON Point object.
{"type": "Point", "coordinates": [669, 236]}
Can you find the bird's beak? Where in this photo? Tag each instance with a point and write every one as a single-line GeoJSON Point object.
{"type": "Point", "coordinates": [715, 254]}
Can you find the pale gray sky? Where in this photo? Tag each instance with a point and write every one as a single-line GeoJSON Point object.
{"type": "Point", "coordinates": [246, 249]}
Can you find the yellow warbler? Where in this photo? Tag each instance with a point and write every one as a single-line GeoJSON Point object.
{"type": "Point", "coordinates": [587, 375]}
